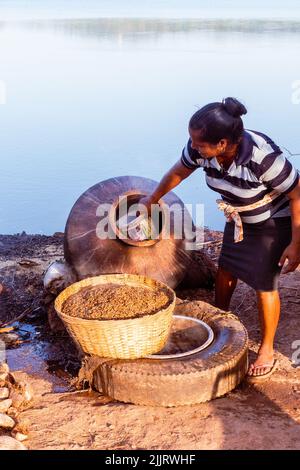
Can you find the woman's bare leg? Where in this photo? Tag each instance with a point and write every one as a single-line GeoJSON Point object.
{"type": "Point", "coordinates": [268, 303]}
{"type": "Point", "coordinates": [225, 285]}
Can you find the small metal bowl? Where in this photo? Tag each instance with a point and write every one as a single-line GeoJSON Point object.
{"type": "Point", "coordinates": [188, 336]}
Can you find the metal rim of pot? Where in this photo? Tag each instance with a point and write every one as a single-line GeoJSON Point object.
{"type": "Point", "coordinates": [192, 351]}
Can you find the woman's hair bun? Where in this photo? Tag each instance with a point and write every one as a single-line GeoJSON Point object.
{"type": "Point", "coordinates": [233, 107]}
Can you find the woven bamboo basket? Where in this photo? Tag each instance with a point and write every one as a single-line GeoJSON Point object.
{"type": "Point", "coordinates": [118, 338]}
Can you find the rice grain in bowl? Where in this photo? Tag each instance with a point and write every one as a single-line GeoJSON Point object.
{"type": "Point", "coordinates": [117, 315]}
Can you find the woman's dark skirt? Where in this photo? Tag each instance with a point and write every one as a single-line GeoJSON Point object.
{"type": "Point", "coordinates": [255, 259]}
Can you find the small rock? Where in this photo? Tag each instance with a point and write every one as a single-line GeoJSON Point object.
{"type": "Point", "coordinates": [4, 393]}
{"type": "Point", "coordinates": [3, 378]}
{"type": "Point", "coordinates": [17, 398]}
{"type": "Point", "coordinates": [21, 395]}
{"type": "Point", "coordinates": [22, 427]}
{"type": "Point", "coordinates": [13, 412]}
{"type": "Point", "coordinates": [4, 369]}
{"type": "Point", "coordinates": [6, 422]}
{"type": "Point", "coordinates": [27, 263]}
{"type": "Point", "coordinates": [19, 436]}
{"type": "Point", "coordinates": [9, 443]}
{"type": "Point", "coordinates": [5, 405]}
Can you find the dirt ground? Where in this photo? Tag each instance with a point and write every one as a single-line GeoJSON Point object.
{"type": "Point", "coordinates": [265, 416]}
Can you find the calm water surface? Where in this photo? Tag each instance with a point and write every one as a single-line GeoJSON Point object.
{"type": "Point", "coordinates": [88, 99]}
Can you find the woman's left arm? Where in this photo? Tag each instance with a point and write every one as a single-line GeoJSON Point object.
{"type": "Point", "coordinates": [292, 251]}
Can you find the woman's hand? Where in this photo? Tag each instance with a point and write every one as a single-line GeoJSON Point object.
{"type": "Point", "coordinates": [292, 254]}
{"type": "Point", "coordinates": [146, 203]}
{"type": "Point", "coordinates": [171, 179]}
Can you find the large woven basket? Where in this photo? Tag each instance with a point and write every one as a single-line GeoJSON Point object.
{"type": "Point", "coordinates": [123, 339]}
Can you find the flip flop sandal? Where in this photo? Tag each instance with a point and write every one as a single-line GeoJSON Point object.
{"type": "Point", "coordinates": [262, 377]}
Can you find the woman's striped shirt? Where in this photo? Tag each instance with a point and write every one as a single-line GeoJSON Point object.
{"type": "Point", "coordinates": [259, 168]}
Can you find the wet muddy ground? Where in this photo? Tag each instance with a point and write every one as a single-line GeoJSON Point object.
{"type": "Point", "coordinates": [38, 350]}
{"type": "Point", "coordinates": [265, 416]}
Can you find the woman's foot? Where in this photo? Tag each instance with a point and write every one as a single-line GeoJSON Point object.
{"type": "Point", "coordinates": [263, 365]}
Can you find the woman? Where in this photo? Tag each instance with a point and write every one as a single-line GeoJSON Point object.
{"type": "Point", "coordinates": [251, 174]}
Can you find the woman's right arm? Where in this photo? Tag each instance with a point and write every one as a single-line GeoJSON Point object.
{"type": "Point", "coordinates": [170, 180]}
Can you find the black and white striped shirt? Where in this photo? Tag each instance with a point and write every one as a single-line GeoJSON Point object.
{"type": "Point", "coordinates": [259, 168]}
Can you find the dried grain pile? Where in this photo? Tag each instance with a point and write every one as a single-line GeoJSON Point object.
{"type": "Point", "coordinates": [115, 301]}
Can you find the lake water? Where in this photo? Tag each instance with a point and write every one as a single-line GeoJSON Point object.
{"type": "Point", "coordinates": [88, 98]}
